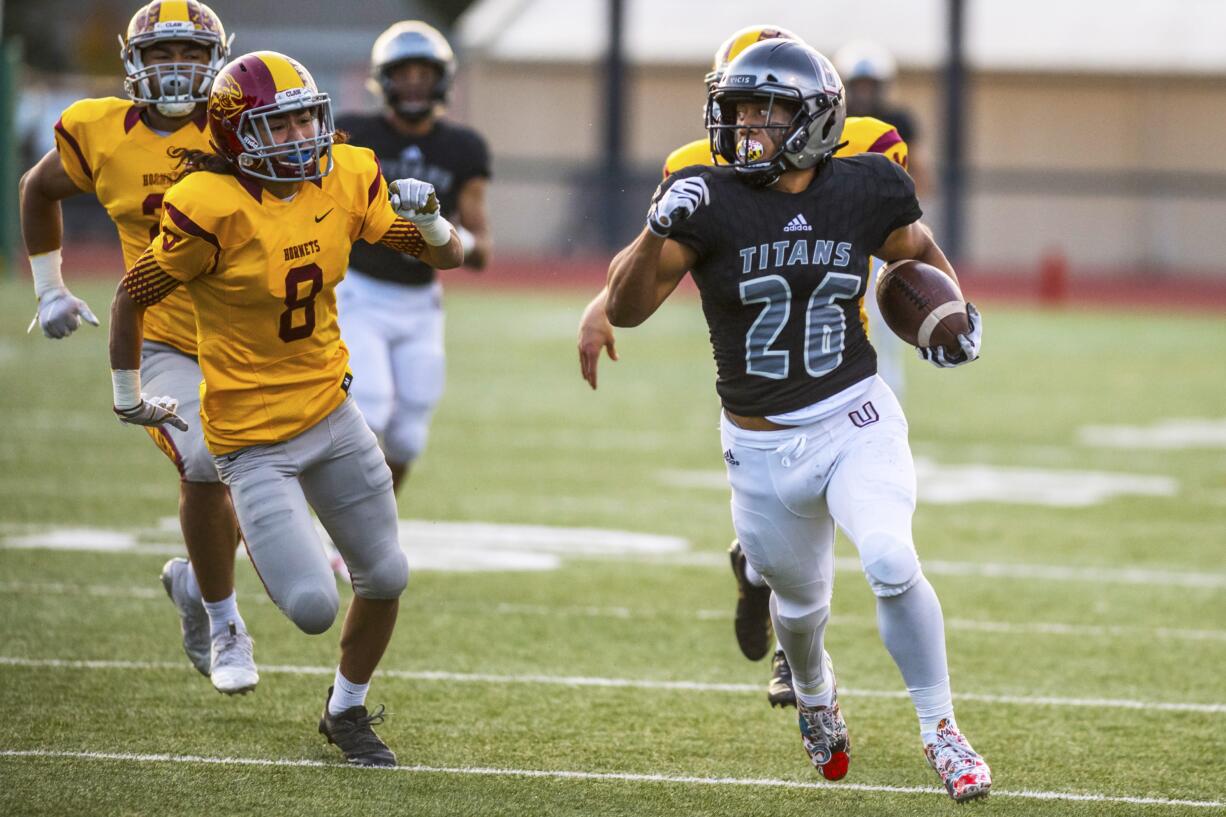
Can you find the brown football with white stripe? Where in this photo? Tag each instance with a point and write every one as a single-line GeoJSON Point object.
{"type": "Point", "coordinates": [922, 305]}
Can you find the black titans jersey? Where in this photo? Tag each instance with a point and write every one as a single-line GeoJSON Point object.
{"type": "Point", "coordinates": [447, 157]}
{"type": "Point", "coordinates": [782, 275]}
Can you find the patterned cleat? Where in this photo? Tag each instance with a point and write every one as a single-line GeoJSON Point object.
{"type": "Point", "coordinates": [352, 733]}
{"type": "Point", "coordinates": [752, 621]}
{"type": "Point", "coordinates": [779, 691]}
{"type": "Point", "coordinates": [193, 619]}
{"type": "Point", "coordinates": [959, 766]}
{"type": "Point", "coordinates": [824, 734]}
{"type": "Point", "coordinates": [233, 663]}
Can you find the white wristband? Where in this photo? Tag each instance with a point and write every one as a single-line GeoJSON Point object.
{"type": "Point", "coordinates": [125, 383]}
{"type": "Point", "coordinates": [468, 241]}
{"type": "Point", "coordinates": [437, 232]}
{"type": "Point", "coordinates": [46, 269]}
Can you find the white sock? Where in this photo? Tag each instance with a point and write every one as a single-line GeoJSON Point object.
{"type": "Point", "coordinates": [346, 694]}
{"type": "Point", "coordinates": [932, 704]}
{"type": "Point", "coordinates": [752, 576]}
{"type": "Point", "coordinates": [222, 614]}
{"type": "Point", "coordinates": [193, 587]}
{"type": "Point", "coordinates": [818, 694]}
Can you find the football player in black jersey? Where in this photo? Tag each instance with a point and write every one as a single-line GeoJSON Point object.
{"type": "Point", "coordinates": [390, 303]}
{"type": "Point", "coordinates": [778, 242]}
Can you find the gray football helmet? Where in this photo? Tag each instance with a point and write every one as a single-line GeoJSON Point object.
{"type": "Point", "coordinates": [411, 40]}
{"type": "Point", "coordinates": [770, 73]}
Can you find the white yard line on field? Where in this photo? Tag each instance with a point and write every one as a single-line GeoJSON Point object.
{"type": "Point", "coordinates": [466, 546]}
{"type": "Point", "coordinates": [622, 683]}
{"type": "Point", "coordinates": [1053, 628]}
{"type": "Point", "coordinates": [621, 777]}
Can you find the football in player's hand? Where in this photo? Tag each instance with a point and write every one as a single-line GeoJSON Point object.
{"type": "Point", "coordinates": [922, 305]}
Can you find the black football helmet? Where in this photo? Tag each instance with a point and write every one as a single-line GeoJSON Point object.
{"type": "Point", "coordinates": [769, 73]}
{"type": "Point", "coordinates": [411, 40]}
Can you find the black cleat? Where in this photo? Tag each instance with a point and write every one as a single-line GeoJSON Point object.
{"type": "Point", "coordinates": [752, 621]}
{"type": "Point", "coordinates": [352, 733]}
{"type": "Point", "coordinates": [779, 691]}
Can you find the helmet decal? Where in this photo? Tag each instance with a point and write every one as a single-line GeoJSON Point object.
{"type": "Point", "coordinates": [226, 100]}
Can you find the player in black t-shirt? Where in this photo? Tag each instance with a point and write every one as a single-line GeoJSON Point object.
{"type": "Point", "coordinates": [391, 304]}
{"type": "Point", "coordinates": [778, 241]}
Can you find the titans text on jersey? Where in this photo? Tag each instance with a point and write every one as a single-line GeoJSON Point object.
{"type": "Point", "coordinates": [782, 275]}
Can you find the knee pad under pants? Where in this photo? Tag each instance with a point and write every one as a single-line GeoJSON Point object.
{"type": "Point", "coordinates": [280, 536]}
{"type": "Point", "coordinates": [351, 491]}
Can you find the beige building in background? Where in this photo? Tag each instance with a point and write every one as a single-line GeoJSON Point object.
{"type": "Point", "coordinates": [1107, 153]}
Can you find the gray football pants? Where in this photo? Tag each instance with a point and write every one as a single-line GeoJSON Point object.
{"type": "Point", "coordinates": [336, 468]}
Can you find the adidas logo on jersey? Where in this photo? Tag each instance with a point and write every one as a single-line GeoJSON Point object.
{"type": "Point", "coordinates": [798, 225]}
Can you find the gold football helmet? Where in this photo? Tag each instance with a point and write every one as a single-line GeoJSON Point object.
{"type": "Point", "coordinates": [732, 47]}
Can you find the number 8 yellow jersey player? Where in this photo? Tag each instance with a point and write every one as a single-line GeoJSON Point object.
{"type": "Point", "coordinates": [117, 149]}
{"type": "Point", "coordinates": [259, 236]}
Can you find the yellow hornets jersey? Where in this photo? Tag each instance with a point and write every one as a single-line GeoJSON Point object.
{"type": "Point", "coordinates": [262, 274]}
{"type": "Point", "coordinates": [861, 134]}
{"type": "Point", "coordinates": [107, 150]}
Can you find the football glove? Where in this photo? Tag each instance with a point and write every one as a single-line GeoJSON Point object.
{"type": "Point", "coordinates": [416, 201]}
{"type": "Point", "coordinates": [60, 314]}
{"type": "Point", "coordinates": [153, 411]}
{"type": "Point", "coordinates": [676, 204]}
{"type": "Point", "coordinates": [970, 342]}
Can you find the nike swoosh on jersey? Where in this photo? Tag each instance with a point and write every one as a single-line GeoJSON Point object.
{"type": "Point", "coordinates": [321, 218]}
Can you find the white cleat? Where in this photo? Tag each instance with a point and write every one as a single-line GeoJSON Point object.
{"type": "Point", "coordinates": [959, 766]}
{"type": "Point", "coordinates": [233, 664]}
{"type": "Point", "coordinates": [193, 618]}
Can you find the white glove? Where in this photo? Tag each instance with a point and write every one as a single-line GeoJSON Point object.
{"type": "Point", "coordinates": [416, 201]}
{"type": "Point", "coordinates": [677, 204]}
{"type": "Point", "coordinates": [970, 343]}
{"type": "Point", "coordinates": [60, 313]}
{"type": "Point", "coordinates": [153, 411]}
{"type": "Point", "coordinates": [411, 198]}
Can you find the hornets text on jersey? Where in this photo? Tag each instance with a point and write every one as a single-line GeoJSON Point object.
{"type": "Point", "coordinates": [108, 150]}
{"type": "Point", "coordinates": [782, 275]}
{"type": "Point", "coordinates": [262, 274]}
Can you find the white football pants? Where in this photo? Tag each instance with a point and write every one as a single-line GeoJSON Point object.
{"type": "Point", "coordinates": [395, 337]}
{"type": "Point", "coordinates": [852, 467]}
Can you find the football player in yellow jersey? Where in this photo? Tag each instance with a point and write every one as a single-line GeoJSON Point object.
{"type": "Point", "coordinates": [752, 622]}
{"type": "Point", "coordinates": [117, 150]}
{"type": "Point", "coordinates": [259, 234]}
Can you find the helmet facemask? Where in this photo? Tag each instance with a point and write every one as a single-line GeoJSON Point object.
{"type": "Point", "coordinates": [733, 143]}
{"type": "Point", "coordinates": [415, 110]}
{"type": "Point", "coordinates": [173, 88]}
{"type": "Point", "coordinates": [294, 160]}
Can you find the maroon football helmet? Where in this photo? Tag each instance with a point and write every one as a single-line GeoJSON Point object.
{"type": "Point", "coordinates": [251, 90]}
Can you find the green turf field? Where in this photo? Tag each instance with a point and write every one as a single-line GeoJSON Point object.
{"type": "Point", "coordinates": [1087, 643]}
